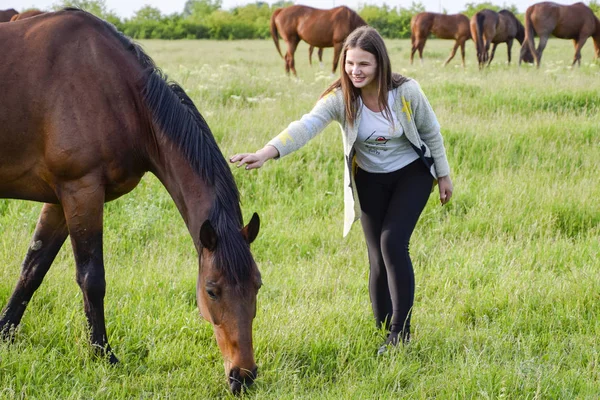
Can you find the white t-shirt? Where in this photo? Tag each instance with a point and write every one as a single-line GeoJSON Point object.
{"type": "Point", "coordinates": [380, 146]}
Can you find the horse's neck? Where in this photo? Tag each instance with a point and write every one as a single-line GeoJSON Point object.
{"type": "Point", "coordinates": [191, 194]}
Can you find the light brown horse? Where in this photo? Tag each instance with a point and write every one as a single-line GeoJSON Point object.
{"type": "Point", "coordinates": [26, 14]}
{"type": "Point", "coordinates": [455, 26]}
{"type": "Point", "coordinates": [489, 27]}
{"type": "Point", "coordinates": [90, 116]}
{"type": "Point", "coordinates": [6, 15]}
{"type": "Point", "coordinates": [577, 22]}
{"type": "Point", "coordinates": [318, 28]}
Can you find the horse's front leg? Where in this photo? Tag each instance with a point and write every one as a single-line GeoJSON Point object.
{"type": "Point", "coordinates": [49, 236]}
{"type": "Point", "coordinates": [509, 44]}
{"type": "Point", "coordinates": [83, 204]}
{"type": "Point", "coordinates": [578, 43]}
{"type": "Point", "coordinates": [452, 53]}
{"type": "Point", "coordinates": [320, 54]}
{"type": "Point", "coordinates": [462, 52]}
{"type": "Point", "coordinates": [492, 54]}
{"type": "Point", "coordinates": [337, 50]}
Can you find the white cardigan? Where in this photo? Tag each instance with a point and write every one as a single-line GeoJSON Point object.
{"type": "Point", "coordinates": [415, 115]}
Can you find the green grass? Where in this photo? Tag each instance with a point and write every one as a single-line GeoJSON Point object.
{"type": "Point", "coordinates": [508, 287]}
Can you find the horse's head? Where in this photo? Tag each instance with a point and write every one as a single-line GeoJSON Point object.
{"type": "Point", "coordinates": [226, 296]}
{"type": "Point", "coordinates": [526, 54]}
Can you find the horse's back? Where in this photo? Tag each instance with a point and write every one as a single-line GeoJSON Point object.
{"type": "Point", "coordinates": [67, 101]}
{"type": "Point", "coordinates": [562, 21]}
{"type": "Point", "coordinates": [453, 26]}
{"type": "Point", "coordinates": [320, 28]}
{"type": "Point", "coordinates": [507, 27]}
{"type": "Point", "coordinates": [26, 14]}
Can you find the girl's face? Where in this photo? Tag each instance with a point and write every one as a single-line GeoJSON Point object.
{"type": "Point", "coordinates": [361, 67]}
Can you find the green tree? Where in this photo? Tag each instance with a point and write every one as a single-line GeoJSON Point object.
{"type": "Point", "coordinates": [148, 13]}
{"type": "Point", "coordinates": [473, 8]}
{"type": "Point", "coordinates": [200, 9]}
{"type": "Point", "coordinates": [96, 7]}
{"type": "Point", "coordinates": [391, 22]}
{"type": "Point", "coordinates": [595, 6]}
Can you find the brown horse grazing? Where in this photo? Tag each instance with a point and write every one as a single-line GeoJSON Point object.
{"type": "Point", "coordinates": [91, 115]}
{"type": "Point", "coordinates": [577, 22]}
{"type": "Point", "coordinates": [318, 28]}
{"type": "Point", "coordinates": [443, 26]}
{"type": "Point", "coordinates": [26, 14]}
{"type": "Point", "coordinates": [491, 27]}
{"type": "Point", "coordinates": [6, 15]}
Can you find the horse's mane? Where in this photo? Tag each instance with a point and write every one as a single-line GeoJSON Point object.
{"type": "Point", "coordinates": [175, 114]}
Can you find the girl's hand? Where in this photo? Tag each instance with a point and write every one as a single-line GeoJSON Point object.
{"type": "Point", "coordinates": [446, 188]}
{"type": "Point", "coordinates": [255, 160]}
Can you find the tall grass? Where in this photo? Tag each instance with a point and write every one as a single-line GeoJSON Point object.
{"type": "Point", "coordinates": [508, 280]}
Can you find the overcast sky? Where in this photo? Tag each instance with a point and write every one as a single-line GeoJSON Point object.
{"type": "Point", "coordinates": [126, 8]}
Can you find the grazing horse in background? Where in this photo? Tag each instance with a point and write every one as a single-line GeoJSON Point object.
{"type": "Point", "coordinates": [443, 26]}
{"type": "Point", "coordinates": [90, 116]}
{"type": "Point", "coordinates": [577, 22]}
{"type": "Point", "coordinates": [491, 27]}
{"type": "Point", "coordinates": [26, 14]}
{"type": "Point", "coordinates": [6, 15]}
{"type": "Point", "coordinates": [318, 28]}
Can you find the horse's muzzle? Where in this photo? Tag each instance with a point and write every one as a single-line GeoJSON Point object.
{"type": "Point", "coordinates": [237, 382]}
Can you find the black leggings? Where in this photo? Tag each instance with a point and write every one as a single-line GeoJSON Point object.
{"type": "Point", "coordinates": [391, 204]}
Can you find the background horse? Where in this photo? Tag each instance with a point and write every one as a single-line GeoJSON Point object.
{"type": "Point", "coordinates": [6, 15]}
{"type": "Point", "coordinates": [26, 14]}
{"type": "Point", "coordinates": [318, 28]}
{"type": "Point", "coordinates": [491, 27]}
{"type": "Point", "coordinates": [443, 26]}
{"type": "Point", "coordinates": [577, 22]}
{"type": "Point", "coordinates": [91, 115]}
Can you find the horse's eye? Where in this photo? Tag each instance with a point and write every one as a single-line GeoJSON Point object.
{"type": "Point", "coordinates": [211, 293]}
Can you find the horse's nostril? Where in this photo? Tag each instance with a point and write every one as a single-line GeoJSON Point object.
{"type": "Point", "coordinates": [236, 387]}
{"type": "Point", "coordinates": [237, 382]}
{"type": "Point", "coordinates": [249, 379]}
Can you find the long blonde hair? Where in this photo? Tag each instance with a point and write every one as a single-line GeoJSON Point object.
{"type": "Point", "coordinates": [367, 39]}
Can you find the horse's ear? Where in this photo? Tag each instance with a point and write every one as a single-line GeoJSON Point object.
{"type": "Point", "coordinates": [250, 231]}
{"type": "Point", "coordinates": [208, 236]}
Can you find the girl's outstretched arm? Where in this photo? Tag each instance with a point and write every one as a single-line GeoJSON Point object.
{"type": "Point", "coordinates": [255, 160]}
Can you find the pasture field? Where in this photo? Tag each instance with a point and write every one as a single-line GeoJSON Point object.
{"type": "Point", "coordinates": [508, 274]}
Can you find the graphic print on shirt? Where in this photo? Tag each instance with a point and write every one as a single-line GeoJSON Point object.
{"type": "Point", "coordinates": [376, 142]}
{"type": "Point", "coordinates": [371, 143]}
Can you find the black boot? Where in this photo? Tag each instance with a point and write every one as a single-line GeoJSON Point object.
{"type": "Point", "coordinates": [394, 337]}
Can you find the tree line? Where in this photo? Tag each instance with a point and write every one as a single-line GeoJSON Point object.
{"type": "Point", "coordinates": [205, 19]}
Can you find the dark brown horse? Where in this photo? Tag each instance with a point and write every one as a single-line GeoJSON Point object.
{"type": "Point", "coordinates": [577, 22]}
{"type": "Point", "coordinates": [318, 28]}
{"type": "Point", "coordinates": [26, 14]}
{"type": "Point", "coordinates": [91, 115]}
{"type": "Point", "coordinates": [443, 26]}
{"type": "Point", "coordinates": [489, 27]}
{"type": "Point", "coordinates": [6, 15]}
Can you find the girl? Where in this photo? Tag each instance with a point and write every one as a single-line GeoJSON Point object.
{"type": "Point", "coordinates": [394, 154]}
